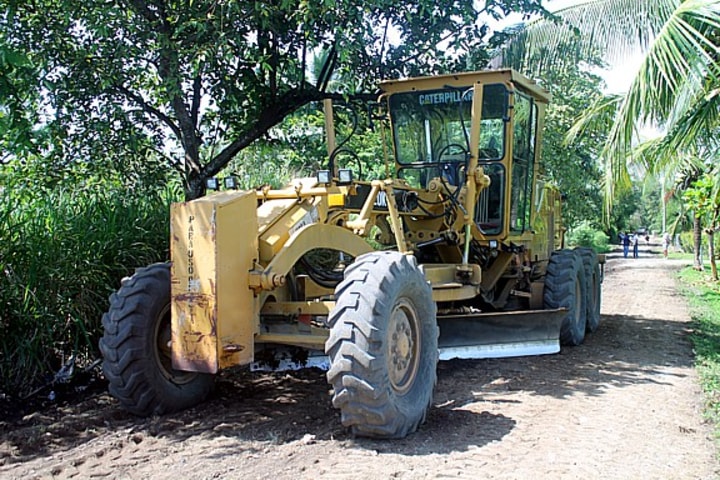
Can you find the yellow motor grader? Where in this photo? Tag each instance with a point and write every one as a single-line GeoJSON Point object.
{"type": "Point", "coordinates": [457, 254]}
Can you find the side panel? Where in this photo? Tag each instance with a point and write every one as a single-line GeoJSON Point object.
{"type": "Point", "coordinates": [213, 246]}
{"type": "Point", "coordinates": [281, 218]}
{"type": "Point", "coordinates": [237, 250]}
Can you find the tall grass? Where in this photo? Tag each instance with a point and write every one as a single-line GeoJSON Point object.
{"type": "Point", "coordinates": [62, 252]}
{"type": "Point", "coordinates": [704, 299]}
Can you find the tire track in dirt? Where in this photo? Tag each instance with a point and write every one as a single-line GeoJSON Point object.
{"type": "Point", "coordinates": [626, 404]}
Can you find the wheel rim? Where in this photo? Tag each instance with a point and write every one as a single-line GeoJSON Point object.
{"type": "Point", "coordinates": [163, 350]}
{"type": "Point", "coordinates": [403, 346]}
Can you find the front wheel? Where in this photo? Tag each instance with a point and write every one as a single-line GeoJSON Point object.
{"type": "Point", "coordinates": [136, 348]}
{"type": "Point", "coordinates": [383, 346]}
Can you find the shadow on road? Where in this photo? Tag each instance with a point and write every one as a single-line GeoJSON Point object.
{"type": "Point", "coordinates": [625, 351]}
{"type": "Point", "coordinates": [280, 408]}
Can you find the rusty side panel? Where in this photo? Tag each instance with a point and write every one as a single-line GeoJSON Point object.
{"type": "Point", "coordinates": [213, 247]}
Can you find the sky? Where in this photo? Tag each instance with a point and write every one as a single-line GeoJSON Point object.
{"type": "Point", "coordinates": [619, 76]}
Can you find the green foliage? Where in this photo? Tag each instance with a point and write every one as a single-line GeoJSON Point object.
{"type": "Point", "coordinates": [574, 168]}
{"type": "Point", "coordinates": [687, 243]}
{"type": "Point", "coordinates": [196, 83]}
{"type": "Point", "coordinates": [704, 299]}
{"type": "Point", "coordinates": [649, 212]}
{"type": "Point", "coordinates": [584, 235]}
{"type": "Point", "coordinates": [18, 99]}
{"type": "Point", "coordinates": [625, 216]}
{"type": "Point", "coordinates": [703, 198]}
{"type": "Point", "coordinates": [63, 252]}
{"type": "Point", "coordinates": [297, 147]}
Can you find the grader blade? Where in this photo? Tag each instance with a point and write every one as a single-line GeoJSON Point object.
{"type": "Point", "coordinates": [500, 334]}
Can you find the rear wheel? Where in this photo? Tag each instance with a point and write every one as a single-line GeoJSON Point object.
{"type": "Point", "coordinates": [383, 346]}
{"type": "Point", "coordinates": [594, 286]}
{"type": "Point", "coordinates": [136, 348]}
{"type": "Point", "coordinates": [565, 288]}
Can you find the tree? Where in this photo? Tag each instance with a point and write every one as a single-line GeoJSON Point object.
{"type": "Point", "coordinates": [676, 83]}
{"type": "Point", "coordinates": [703, 197]}
{"type": "Point", "coordinates": [574, 167]}
{"type": "Point", "coordinates": [196, 82]}
{"type": "Point", "coordinates": [688, 165]}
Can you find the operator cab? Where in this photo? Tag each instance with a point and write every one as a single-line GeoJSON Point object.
{"type": "Point", "coordinates": [432, 126]}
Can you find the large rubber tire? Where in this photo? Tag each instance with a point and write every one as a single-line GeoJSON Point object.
{"type": "Point", "coordinates": [565, 288]}
{"type": "Point", "coordinates": [383, 346]}
{"type": "Point", "coordinates": [136, 352]}
{"type": "Point", "coordinates": [593, 282]}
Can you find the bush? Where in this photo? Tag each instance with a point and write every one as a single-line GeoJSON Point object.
{"type": "Point", "coordinates": [63, 252]}
{"type": "Point", "coordinates": [688, 245]}
{"type": "Point", "coordinates": [585, 235]}
{"type": "Point", "coordinates": [686, 241]}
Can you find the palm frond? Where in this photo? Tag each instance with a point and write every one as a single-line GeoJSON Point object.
{"type": "Point", "coordinates": [699, 123]}
{"type": "Point", "coordinates": [599, 117]}
{"type": "Point", "coordinates": [680, 63]}
{"type": "Point", "coordinates": [613, 28]}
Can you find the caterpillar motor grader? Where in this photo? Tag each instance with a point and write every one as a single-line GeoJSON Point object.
{"type": "Point", "coordinates": [458, 253]}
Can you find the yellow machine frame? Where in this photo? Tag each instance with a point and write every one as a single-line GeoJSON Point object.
{"type": "Point", "coordinates": [233, 252]}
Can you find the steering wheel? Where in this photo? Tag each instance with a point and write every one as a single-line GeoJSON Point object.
{"type": "Point", "coordinates": [453, 149]}
{"type": "Point", "coordinates": [449, 167]}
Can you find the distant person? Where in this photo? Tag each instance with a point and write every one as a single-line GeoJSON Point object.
{"type": "Point", "coordinates": [635, 242]}
{"type": "Point", "coordinates": [625, 243]}
{"type": "Point", "coordinates": [666, 243]}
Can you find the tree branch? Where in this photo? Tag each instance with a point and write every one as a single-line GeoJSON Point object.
{"type": "Point", "coordinates": [142, 8]}
{"type": "Point", "coordinates": [273, 115]}
{"type": "Point", "coordinates": [146, 107]}
{"type": "Point", "coordinates": [168, 69]}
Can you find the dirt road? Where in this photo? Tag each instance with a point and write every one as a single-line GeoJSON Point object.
{"type": "Point", "coordinates": [625, 405]}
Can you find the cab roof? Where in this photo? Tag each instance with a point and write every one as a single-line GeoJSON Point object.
{"type": "Point", "coordinates": [467, 79]}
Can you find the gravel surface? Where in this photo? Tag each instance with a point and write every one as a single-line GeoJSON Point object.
{"type": "Point", "coordinates": [625, 405]}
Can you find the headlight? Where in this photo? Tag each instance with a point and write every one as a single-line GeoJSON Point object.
{"type": "Point", "coordinates": [345, 176]}
{"type": "Point", "coordinates": [231, 183]}
{"type": "Point", "coordinates": [323, 176]}
{"type": "Point", "coordinates": [212, 183]}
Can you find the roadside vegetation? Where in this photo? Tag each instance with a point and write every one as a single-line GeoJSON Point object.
{"type": "Point", "coordinates": [64, 249]}
{"type": "Point", "coordinates": [97, 138]}
{"type": "Point", "coordinates": [703, 295]}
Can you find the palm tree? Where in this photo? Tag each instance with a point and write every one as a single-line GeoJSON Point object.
{"type": "Point", "coordinates": [693, 169]}
{"type": "Point", "coordinates": [677, 86]}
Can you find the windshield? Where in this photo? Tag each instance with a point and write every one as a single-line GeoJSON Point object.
{"type": "Point", "coordinates": [434, 126]}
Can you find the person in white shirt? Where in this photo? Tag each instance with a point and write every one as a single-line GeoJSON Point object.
{"type": "Point", "coordinates": [635, 241]}
{"type": "Point", "coordinates": [665, 243]}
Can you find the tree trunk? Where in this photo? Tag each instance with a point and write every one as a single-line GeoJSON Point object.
{"type": "Point", "coordinates": [711, 253]}
{"type": "Point", "coordinates": [697, 239]}
{"type": "Point", "coordinates": [194, 185]}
